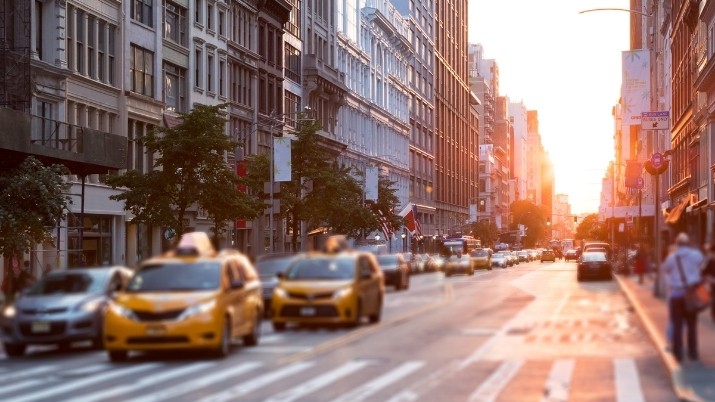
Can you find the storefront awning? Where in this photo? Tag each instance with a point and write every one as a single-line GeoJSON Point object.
{"type": "Point", "coordinates": [677, 212]}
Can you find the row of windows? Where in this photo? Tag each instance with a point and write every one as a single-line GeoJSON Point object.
{"type": "Point", "coordinates": [91, 44]}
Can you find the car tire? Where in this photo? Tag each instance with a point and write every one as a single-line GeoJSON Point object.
{"type": "Point", "coordinates": [252, 338]}
{"type": "Point", "coordinates": [14, 349]}
{"type": "Point", "coordinates": [279, 326]}
{"type": "Point", "coordinates": [471, 272]}
{"type": "Point", "coordinates": [224, 348]}
{"type": "Point", "coordinates": [376, 316]}
{"type": "Point", "coordinates": [358, 315]}
{"type": "Point", "coordinates": [406, 285]}
{"type": "Point", "coordinates": [118, 356]}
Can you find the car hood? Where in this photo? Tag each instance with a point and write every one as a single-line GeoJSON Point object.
{"type": "Point", "coordinates": [313, 286]}
{"type": "Point", "coordinates": [155, 301]}
{"type": "Point", "coordinates": [46, 302]}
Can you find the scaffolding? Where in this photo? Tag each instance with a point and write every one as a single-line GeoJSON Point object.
{"type": "Point", "coordinates": [15, 47]}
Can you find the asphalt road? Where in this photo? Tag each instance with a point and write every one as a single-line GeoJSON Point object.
{"type": "Point", "coordinates": [524, 333]}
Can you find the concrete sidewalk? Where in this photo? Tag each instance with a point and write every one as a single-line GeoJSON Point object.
{"type": "Point", "coordinates": [692, 381]}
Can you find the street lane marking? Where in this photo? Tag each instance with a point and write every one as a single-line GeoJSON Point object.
{"type": "Point", "coordinates": [271, 339]}
{"type": "Point", "coordinates": [480, 331]}
{"type": "Point", "coordinates": [628, 385]}
{"type": "Point", "coordinates": [278, 349]}
{"type": "Point", "coordinates": [364, 331]}
{"type": "Point", "coordinates": [9, 377]}
{"type": "Point", "coordinates": [77, 384]}
{"type": "Point", "coordinates": [142, 382]}
{"type": "Point", "coordinates": [558, 385]}
{"type": "Point", "coordinates": [255, 383]}
{"type": "Point", "coordinates": [367, 390]}
{"type": "Point", "coordinates": [561, 305]}
{"type": "Point", "coordinates": [319, 382]}
{"type": "Point", "coordinates": [7, 389]}
{"type": "Point", "coordinates": [490, 389]}
{"type": "Point", "coordinates": [183, 389]}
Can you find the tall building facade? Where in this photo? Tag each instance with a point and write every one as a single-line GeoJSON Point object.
{"type": "Point", "coordinates": [452, 102]}
{"type": "Point", "coordinates": [519, 116]}
{"type": "Point", "coordinates": [533, 160]}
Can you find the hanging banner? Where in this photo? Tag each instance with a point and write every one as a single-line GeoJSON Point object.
{"type": "Point", "coordinates": [371, 179]}
{"type": "Point", "coordinates": [635, 86]}
{"type": "Point", "coordinates": [281, 159]}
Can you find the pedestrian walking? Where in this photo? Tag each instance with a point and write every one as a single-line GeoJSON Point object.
{"type": "Point", "coordinates": [680, 270]}
{"type": "Point", "coordinates": [640, 263]}
{"type": "Point", "coordinates": [709, 276]}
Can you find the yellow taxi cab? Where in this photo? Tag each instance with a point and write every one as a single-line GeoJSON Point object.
{"type": "Point", "coordinates": [189, 298]}
{"type": "Point", "coordinates": [325, 288]}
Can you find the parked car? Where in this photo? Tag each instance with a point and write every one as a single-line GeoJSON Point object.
{"type": "Point", "coordinates": [268, 267]}
{"type": "Point", "coordinates": [523, 256]}
{"type": "Point", "coordinates": [458, 264]}
{"type": "Point", "coordinates": [481, 258]}
{"type": "Point", "coordinates": [339, 288]}
{"type": "Point", "coordinates": [548, 255]}
{"type": "Point", "coordinates": [594, 264]}
{"type": "Point", "coordinates": [500, 260]}
{"type": "Point", "coordinates": [571, 255]}
{"type": "Point", "coordinates": [191, 297]}
{"type": "Point", "coordinates": [62, 307]}
{"type": "Point", "coordinates": [395, 269]}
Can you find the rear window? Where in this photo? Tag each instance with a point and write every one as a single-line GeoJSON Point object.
{"type": "Point", "coordinates": [270, 267]}
{"type": "Point", "coordinates": [593, 257]}
{"type": "Point", "coordinates": [322, 268]}
{"type": "Point", "coordinates": [177, 277]}
{"type": "Point", "coordinates": [480, 253]}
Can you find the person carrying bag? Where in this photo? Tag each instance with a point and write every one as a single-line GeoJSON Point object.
{"type": "Point", "coordinates": [681, 269]}
{"type": "Point", "coordinates": [697, 296]}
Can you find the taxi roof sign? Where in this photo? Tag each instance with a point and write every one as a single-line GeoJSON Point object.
{"type": "Point", "coordinates": [195, 243]}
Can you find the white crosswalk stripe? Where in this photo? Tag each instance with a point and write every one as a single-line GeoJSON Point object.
{"type": "Point", "coordinates": [319, 382]}
{"type": "Point", "coordinates": [365, 391]}
{"type": "Point", "coordinates": [256, 383]}
{"type": "Point", "coordinates": [34, 382]}
{"type": "Point", "coordinates": [198, 383]}
{"type": "Point", "coordinates": [628, 386]}
{"type": "Point", "coordinates": [144, 382]}
{"type": "Point", "coordinates": [558, 385]}
{"type": "Point", "coordinates": [490, 389]}
{"type": "Point", "coordinates": [75, 385]}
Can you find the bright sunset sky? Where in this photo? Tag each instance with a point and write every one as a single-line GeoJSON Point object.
{"type": "Point", "coordinates": [567, 66]}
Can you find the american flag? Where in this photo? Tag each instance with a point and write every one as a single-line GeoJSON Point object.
{"type": "Point", "coordinates": [384, 225]}
{"type": "Point", "coordinates": [418, 227]}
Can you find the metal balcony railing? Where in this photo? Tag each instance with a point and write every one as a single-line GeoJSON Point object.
{"type": "Point", "coordinates": [57, 134]}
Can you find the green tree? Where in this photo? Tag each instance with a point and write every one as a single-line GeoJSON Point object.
{"type": "Point", "coordinates": [486, 231]}
{"type": "Point", "coordinates": [190, 170]}
{"type": "Point", "coordinates": [33, 199]}
{"type": "Point", "coordinates": [591, 229]}
{"type": "Point", "coordinates": [533, 217]}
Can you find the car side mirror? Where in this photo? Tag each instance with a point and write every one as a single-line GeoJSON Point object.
{"type": "Point", "coordinates": [237, 284]}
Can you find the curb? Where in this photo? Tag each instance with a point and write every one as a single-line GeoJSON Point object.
{"type": "Point", "coordinates": [683, 391]}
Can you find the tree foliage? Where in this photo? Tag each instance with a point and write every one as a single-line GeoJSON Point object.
{"type": "Point", "coordinates": [190, 170]}
{"type": "Point", "coordinates": [533, 217]}
{"type": "Point", "coordinates": [322, 193]}
{"type": "Point", "coordinates": [486, 231]}
{"type": "Point", "coordinates": [33, 199]}
{"type": "Point", "coordinates": [591, 229]}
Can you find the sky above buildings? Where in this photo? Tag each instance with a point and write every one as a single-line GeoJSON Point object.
{"type": "Point", "coordinates": [567, 66]}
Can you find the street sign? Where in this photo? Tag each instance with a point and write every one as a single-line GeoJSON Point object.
{"type": "Point", "coordinates": [655, 120]}
{"type": "Point", "coordinates": [640, 183]}
{"type": "Point", "coordinates": [656, 160]}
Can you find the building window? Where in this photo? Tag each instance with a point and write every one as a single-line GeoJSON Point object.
{"type": "Point", "coordinates": [292, 63]}
{"type": "Point", "coordinates": [291, 107]}
{"type": "Point", "coordinates": [175, 23]}
{"type": "Point", "coordinates": [137, 157]}
{"type": "Point", "coordinates": [210, 17]}
{"type": "Point", "coordinates": [141, 70]}
{"type": "Point", "coordinates": [79, 43]}
{"type": "Point", "coordinates": [141, 11]}
{"type": "Point", "coordinates": [174, 87]}
{"type": "Point", "coordinates": [222, 23]}
{"type": "Point", "coordinates": [197, 67]}
{"type": "Point", "coordinates": [222, 78]}
{"type": "Point", "coordinates": [91, 46]}
{"type": "Point", "coordinates": [38, 29]}
{"type": "Point", "coordinates": [198, 10]}
{"type": "Point", "coordinates": [96, 59]}
{"type": "Point", "coordinates": [210, 73]}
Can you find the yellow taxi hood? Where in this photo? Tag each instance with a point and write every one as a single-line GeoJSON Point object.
{"type": "Point", "coordinates": [313, 286]}
{"type": "Point", "coordinates": [155, 301]}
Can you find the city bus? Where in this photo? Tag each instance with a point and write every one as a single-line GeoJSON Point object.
{"type": "Point", "coordinates": [459, 245]}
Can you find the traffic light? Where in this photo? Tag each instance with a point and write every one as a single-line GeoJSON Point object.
{"type": "Point", "coordinates": [575, 219]}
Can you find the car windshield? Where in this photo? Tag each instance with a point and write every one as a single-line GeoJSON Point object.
{"type": "Point", "coordinates": [272, 266]}
{"type": "Point", "coordinates": [480, 253]}
{"type": "Point", "coordinates": [176, 277]}
{"type": "Point", "coordinates": [593, 256]}
{"type": "Point", "coordinates": [322, 268]}
{"type": "Point", "coordinates": [70, 283]}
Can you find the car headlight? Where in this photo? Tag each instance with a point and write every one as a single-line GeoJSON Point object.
{"type": "Point", "coordinates": [122, 311]}
{"type": "Point", "coordinates": [339, 294]}
{"type": "Point", "coordinates": [90, 305]}
{"type": "Point", "coordinates": [280, 293]}
{"type": "Point", "coordinates": [9, 312]}
{"type": "Point", "coordinates": [197, 309]}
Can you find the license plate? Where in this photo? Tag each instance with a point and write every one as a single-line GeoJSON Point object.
{"type": "Point", "coordinates": [40, 327]}
{"type": "Point", "coordinates": [307, 311]}
{"type": "Point", "coordinates": [155, 330]}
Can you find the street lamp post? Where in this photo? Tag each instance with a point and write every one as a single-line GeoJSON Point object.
{"type": "Point", "coordinates": [404, 241]}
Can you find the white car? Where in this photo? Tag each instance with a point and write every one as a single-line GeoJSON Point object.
{"type": "Point", "coordinates": [499, 260]}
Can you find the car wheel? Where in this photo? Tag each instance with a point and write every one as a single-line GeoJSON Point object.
{"type": "Point", "coordinates": [358, 315]}
{"type": "Point", "coordinates": [279, 326]}
{"type": "Point", "coordinates": [406, 284]}
{"type": "Point", "coordinates": [224, 348]}
{"type": "Point", "coordinates": [252, 338]}
{"type": "Point", "coordinates": [471, 272]}
{"type": "Point", "coordinates": [376, 316]}
{"type": "Point", "coordinates": [14, 349]}
{"type": "Point", "coordinates": [118, 355]}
